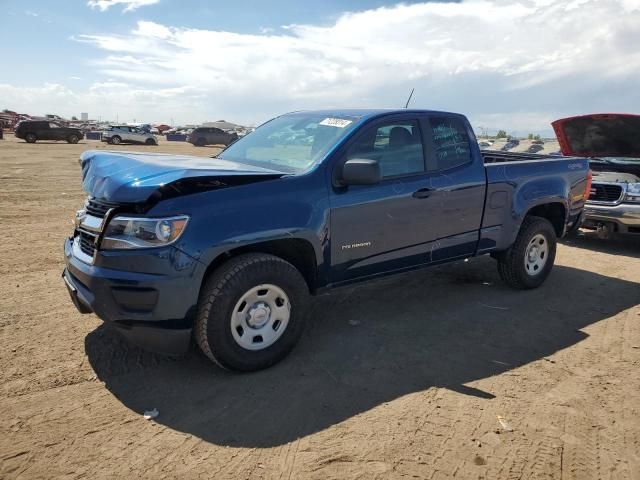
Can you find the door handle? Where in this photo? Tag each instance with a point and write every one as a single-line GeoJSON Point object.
{"type": "Point", "coordinates": [422, 193]}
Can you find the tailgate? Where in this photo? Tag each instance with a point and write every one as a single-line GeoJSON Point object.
{"type": "Point", "coordinates": [599, 135]}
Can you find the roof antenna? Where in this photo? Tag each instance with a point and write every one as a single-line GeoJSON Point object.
{"type": "Point", "coordinates": [409, 99]}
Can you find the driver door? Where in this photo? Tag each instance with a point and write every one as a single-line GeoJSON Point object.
{"type": "Point", "coordinates": [391, 225]}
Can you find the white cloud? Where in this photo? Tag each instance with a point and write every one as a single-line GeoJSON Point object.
{"type": "Point", "coordinates": [517, 65]}
{"type": "Point", "coordinates": [129, 5]}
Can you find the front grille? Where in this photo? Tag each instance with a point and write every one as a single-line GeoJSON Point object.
{"type": "Point", "coordinates": [98, 208]}
{"type": "Point", "coordinates": [87, 244]}
{"type": "Point", "coordinates": [85, 237]}
{"type": "Point", "coordinates": [604, 192]}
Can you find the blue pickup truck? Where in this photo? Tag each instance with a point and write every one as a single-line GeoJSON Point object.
{"type": "Point", "coordinates": [226, 250]}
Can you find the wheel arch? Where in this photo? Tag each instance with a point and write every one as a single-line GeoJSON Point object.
{"type": "Point", "coordinates": [297, 251]}
{"type": "Point", "coordinates": [555, 212]}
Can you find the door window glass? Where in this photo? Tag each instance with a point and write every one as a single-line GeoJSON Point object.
{"type": "Point", "coordinates": [451, 142]}
{"type": "Point", "coordinates": [396, 146]}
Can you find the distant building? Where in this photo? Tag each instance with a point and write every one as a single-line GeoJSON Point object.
{"type": "Point", "coordinates": [84, 116]}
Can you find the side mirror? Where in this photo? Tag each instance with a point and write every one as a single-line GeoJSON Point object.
{"type": "Point", "coordinates": [361, 171]}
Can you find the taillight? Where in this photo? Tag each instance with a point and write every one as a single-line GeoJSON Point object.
{"type": "Point", "coordinates": [587, 190]}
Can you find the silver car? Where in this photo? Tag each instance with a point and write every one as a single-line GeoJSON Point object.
{"type": "Point", "coordinates": [117, 134]}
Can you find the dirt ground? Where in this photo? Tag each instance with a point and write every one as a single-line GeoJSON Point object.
{"type": "Point", "coordinates": [407, 377]}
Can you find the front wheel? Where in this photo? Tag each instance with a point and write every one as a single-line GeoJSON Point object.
{"type": "Point", "coordinates": [151, 141]}
{"type": "Point", "coordinates": [116, 140]}
{"type": "Point", "coordinates": [530, 259]}
{"type": "Point", "coordinates": [251, 312]}
{"type": "Point", "coordinates": [72, 138]}
{"type": "Point", "coordinates": [30, 138]}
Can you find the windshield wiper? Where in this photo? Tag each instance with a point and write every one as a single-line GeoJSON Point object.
{"type": "Point", "coordinates": [602, 160]}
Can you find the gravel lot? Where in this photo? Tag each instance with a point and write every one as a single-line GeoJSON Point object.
{"type": "Point", "coordinates": [407, 377]}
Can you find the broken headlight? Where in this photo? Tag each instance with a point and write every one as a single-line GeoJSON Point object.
{"type": "Point", "coordinates": [137, 232]}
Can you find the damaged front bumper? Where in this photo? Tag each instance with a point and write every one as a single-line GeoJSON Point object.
{"type": "Point", "coordinates": [155, 309]}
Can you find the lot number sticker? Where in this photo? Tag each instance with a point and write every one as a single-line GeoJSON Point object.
{"type": "Point", "coordinates": [335, 122]}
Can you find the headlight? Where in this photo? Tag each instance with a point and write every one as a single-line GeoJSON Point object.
{"type": "Point", "coordinates": [136, 232]}
{"type": "Point", "coordinates": [633, 193]}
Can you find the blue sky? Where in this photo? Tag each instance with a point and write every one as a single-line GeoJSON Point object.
{"type": "Point", "coordinates": [513, 65]}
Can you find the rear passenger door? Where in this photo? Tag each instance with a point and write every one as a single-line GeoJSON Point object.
{"type": "Point", "coordinates": [43, 131]}
{"type": "Point", "coordinates": [56, 132]}
{"type": "Point", "coordinates": [458, 184]}
{"type": "Point", "coordinates": [131, 134]}
{"type": "Point", "coordinates": [217, 136]}
{"type": "Point", "coordinates": [389, 226]}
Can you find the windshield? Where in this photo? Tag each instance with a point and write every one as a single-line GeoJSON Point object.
{"type": "Point", "coordinates": [290, 143]}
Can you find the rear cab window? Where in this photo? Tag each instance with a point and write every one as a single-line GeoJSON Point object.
{"type": "Point", "coordinates": [450, 142]}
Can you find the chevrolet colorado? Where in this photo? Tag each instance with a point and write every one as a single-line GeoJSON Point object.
{"type": "Point", "coordinates": [226, 250]}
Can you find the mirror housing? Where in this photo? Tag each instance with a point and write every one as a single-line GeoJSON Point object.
{"type": "Point", "coordinates": [361, 171]}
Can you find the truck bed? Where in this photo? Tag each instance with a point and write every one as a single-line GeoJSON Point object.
{"type": "Point", "coordinates": [494, 156]}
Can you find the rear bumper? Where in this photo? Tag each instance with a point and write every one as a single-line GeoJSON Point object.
{"type": "Point", "coordinates": [153, 310]}
{"type": "Point", "coordinates": [625, 216]}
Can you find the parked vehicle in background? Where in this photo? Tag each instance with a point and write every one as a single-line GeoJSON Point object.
{"type": "Point", "coordinates": [179, 131]}
{"type": "Point", "coordinates": [162, 128]}
{"type": "Point", "coordinates": [202, 136]}
{"type": "Point", "coordinates": [537, 142]}
{"type": "Point", "coordinates": [510, 144]}
{"type": "Point", "coordinates": [484, 145]}
{"type": "Point", "coordinates": [117, 134]}
{"type": "Point", "coordinates": [228, 249]}
{"type": "Point", "coordinates": [535, 148]}
{"type": "Point", "coordinates": [32, 131]}
{"type": "Point", "coordinates": [613, 143]}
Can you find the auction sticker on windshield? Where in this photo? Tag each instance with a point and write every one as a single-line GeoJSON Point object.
{"type": "Point", "coordinates": [335, 122]}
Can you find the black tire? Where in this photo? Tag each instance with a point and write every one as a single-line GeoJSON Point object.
{"type": "Point", "coordinates": [511, 263]}
{"type": "Point", "coordinates": [30, 138]}
{"type": "Point", "coordinates": [223, 290]}
{"type": "Point", "coordinates": [201, 142]}
{"type": "Point", "coordinates": [151, 141]}
{"type": "Point", "coordinates": [73, 138]}
{"type": "Point", "coordinates": [115, 140]}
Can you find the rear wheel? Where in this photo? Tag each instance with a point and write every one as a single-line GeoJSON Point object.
{"type": "Point", "coordinates": [251, 312]}
{"type": "Point", "coordinates": [115, 140]}
{"type": "Point", "coordinates": [530, 259]}
{"type": "Point", "coordinates": [30, 138]}
{"type": "Point", "coordinates": [72, 138]}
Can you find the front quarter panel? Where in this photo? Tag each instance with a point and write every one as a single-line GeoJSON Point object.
{"type": "Point", "coordinates": [294, 207]}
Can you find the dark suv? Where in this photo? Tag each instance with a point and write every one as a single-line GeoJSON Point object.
{"type": "Point", "coordinates": [31, 131]}
{"type": "Point", "coordinates": [202, 136]}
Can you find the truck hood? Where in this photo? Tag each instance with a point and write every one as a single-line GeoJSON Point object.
{"type": "Point", "coordinates": [599, 135]}
{"type": "Point", "coordinates": [132, 177]}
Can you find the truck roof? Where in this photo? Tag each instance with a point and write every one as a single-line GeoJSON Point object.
{"type": "Point", "coordinates": [370, 112]}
